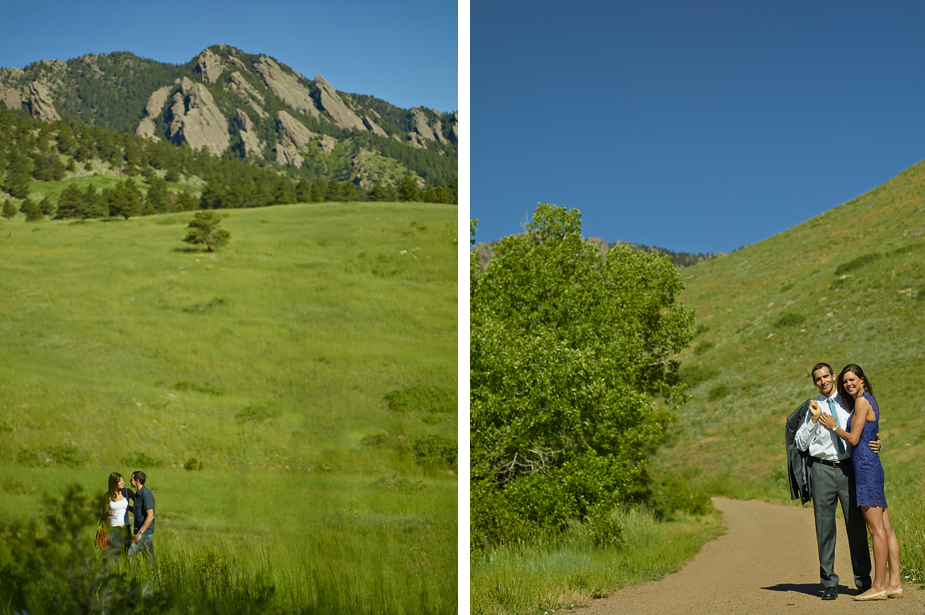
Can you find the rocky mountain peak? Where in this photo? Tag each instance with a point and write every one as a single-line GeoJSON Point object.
{"type": "Point", "coordinates": [210, 66]}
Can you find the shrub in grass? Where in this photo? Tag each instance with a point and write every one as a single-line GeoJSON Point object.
{"type": "Point", "coordinates": [186, 385]}
{"type": "Point", "coordinates": [254, 414]}
{"type": "Point", "coordinates": [141, 460]}
{"type": "Point", "coordinates": [718, 392]}
{"type": "Point", "coordinates": [28, 457]}
{"type": "Point", "coordinates": [192, 464]}
{"type": "Point", "coordinates": [703, 347]}
{"type": "Point", "coordinates": [672, 496]}
{"type": "Point", "coordinates": [427, 398]}
{"type": "Point", "coordinates": [856, 263]}
{"type": "Point", "coordinates": [435, 450]}
{"type": "Point", "coordinates": [692, 375]}
{"type": "Point", "coordinates": [790, 319]}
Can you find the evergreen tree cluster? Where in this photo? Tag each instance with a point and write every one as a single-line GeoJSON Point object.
{"type": "Point", "coordinates": [34, 151]}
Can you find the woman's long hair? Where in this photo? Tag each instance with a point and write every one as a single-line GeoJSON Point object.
{"type": "Point", "coordinates": [857, 371]}
{"type": "Point", "coordinates": [114, 484]}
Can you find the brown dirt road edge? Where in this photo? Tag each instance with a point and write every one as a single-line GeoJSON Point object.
{"type": "Point", "coordinates": [766, 562]}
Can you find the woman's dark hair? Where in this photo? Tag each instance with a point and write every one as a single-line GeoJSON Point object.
{"type": "Point", "coordinates": [114, 484]}
{"type": "Point", "coordinates": [857, 371]}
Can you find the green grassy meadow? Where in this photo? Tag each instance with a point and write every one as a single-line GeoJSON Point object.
{"type": "Point", "coordinates": [251, 385]}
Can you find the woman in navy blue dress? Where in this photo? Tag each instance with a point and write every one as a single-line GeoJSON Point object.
{"type": "Point", "coordinates": [856, 393]}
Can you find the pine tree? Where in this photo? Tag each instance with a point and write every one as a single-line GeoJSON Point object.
{"type": "Point", "coordinates": [70, 203]}
{"type": "Point", "coordinates": [204, 230]}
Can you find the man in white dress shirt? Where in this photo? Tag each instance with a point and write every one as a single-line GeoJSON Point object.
{"type": "Point", "coordinates": [830, 481]}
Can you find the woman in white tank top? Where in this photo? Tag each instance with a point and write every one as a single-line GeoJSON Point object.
{"type": "Point", "coordinates": [117, 511]}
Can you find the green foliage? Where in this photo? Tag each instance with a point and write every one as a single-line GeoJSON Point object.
{"type": "Point", "coordinates": [703, 347]}
{"type": "Point", "coordinates": [9, 210]}
{"type": "Point", "coordinates": [408, 190]}
{"type": "Point", "coordinates": [203, 230]}
{"type": "Point", "coordinates": [32, 210]}
{"type": "Point", "coordinates": [856, 263]}
{"type": "Point", "coordinates": [141, 461]}
{"type": "Point", "coordinates": [435, 450]}
{"type": "Point", "coordinates": [719, 391]}
{"type": "Point", "coordinates": [56, 567]}
{"type": "Point", "coordinates": [427, 398]}
{"type": "Point", "coordinates": [694, 374]}
{"type": "Point", "coordinates": [125, 199]}
{"type": "Point", "coordinates": [790, 319]}
{"type": "Point", "coordinates": [568, 349]}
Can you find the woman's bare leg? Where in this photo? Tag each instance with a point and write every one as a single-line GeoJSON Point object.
{"type": "Point", "coordinates": [893, 549]}
{"type": "Point", "coordinates": [873, 515]}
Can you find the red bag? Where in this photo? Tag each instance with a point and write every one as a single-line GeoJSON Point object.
{"type": "Point", "coordinates": [102, 538]}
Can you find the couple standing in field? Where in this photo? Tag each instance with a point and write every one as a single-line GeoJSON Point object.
{"type": "Point", "coordinates": [117, 509]}
{"type": "Point", "coordinates": [828, 464]}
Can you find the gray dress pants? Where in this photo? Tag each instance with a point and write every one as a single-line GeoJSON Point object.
{"type": "Point", "coordinates": [830, 486]}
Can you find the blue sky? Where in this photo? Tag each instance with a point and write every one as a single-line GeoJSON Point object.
{"type": "Point", "coordinates": [695, 126]}
{"type": "Point", "coordinates": [402, 51]}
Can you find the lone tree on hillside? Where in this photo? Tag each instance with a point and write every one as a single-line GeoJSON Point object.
{"type": "Point", "coordinates": [203, 229]}
{"type": "Point", "coordinates": [569, 350]}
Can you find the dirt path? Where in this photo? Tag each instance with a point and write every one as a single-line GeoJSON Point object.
{"type": "Point", "coordinates": [766, 563]}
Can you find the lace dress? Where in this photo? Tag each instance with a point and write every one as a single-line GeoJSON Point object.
{"type": "Point", "coordinates": [868, 473]}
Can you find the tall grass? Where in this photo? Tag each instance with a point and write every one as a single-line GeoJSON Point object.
{"type": "Point", "coordinates": [569, 570]}
{"type": "Point", "coordinates": [252, 386]}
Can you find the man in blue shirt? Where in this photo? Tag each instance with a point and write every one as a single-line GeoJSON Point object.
{"type": "Point", "coordinates": [143, 513]}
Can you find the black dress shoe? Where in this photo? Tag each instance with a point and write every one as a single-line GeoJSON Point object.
{"type": "Point", "coordinates": [830, 593]}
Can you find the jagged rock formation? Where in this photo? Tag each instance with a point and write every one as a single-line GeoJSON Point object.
{"type": "Point", "coordinates": [210, 66]}
{"type": "Point", "coordinates": [246, 92]}
{"type": "Point", "coordinates": [334, 106]}
{"type": "Point", "coordinates": [253, 147]}
{"type": "Point", "coordinates": [197, 119]}
{"type": "Point", "coordinates": [286, 86]}
{"type": "Point", "coordinates": [294, 137]}
{"type": "Point", "coordinates": [40, 103]}
{"type": "Point", "coordinates": [373, 127]}
{"type": "Point", "coordinates": [152, 110]}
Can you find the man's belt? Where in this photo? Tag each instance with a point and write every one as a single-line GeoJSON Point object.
{"type": "Point", "coordinates": [834, 464]}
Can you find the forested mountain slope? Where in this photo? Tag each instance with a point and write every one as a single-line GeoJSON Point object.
{"type": "Point", "coordinates": [244, 106]}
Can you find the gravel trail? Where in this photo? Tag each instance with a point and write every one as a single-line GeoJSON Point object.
{"type": "Point", "coordinates": [765, 563]}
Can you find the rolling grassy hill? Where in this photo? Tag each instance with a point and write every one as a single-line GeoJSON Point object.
{"type": "Point", "coordinates": [291, 397]}
{"type": "Point", "coordinates": [847, 286]}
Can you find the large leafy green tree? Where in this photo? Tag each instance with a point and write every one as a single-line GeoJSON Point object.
{"type": "Point", "coordinates": [572, 373]}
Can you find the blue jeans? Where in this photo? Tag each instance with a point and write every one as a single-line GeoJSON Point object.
{"type": "Point", "coordinates": [145, 545]}
{"type": "Point", "coordinates": [119, 541]}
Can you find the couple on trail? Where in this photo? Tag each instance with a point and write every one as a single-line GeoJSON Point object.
{"type": "Point", "coordinates": [832, 453]}
{"type": "Point", "coordinates": [117, 508]}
